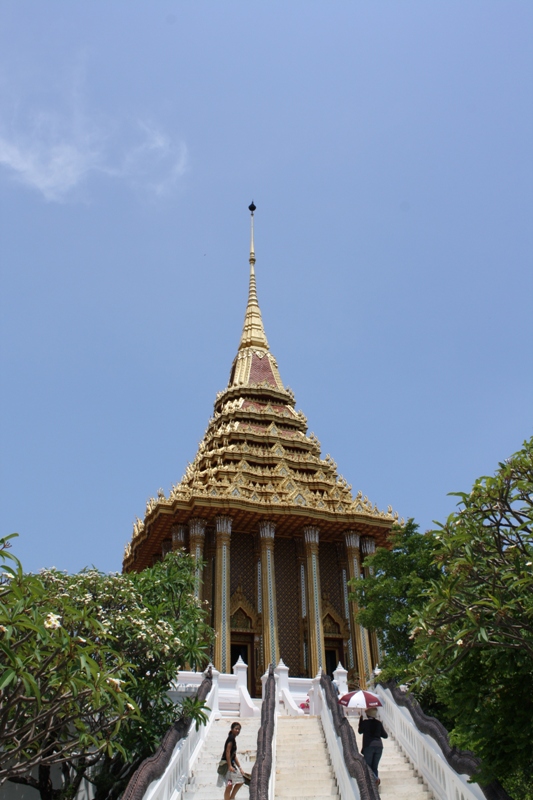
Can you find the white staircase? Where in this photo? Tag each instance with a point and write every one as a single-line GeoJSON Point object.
{"type": "Point", "coordinates": [303, 766]}
{"type": "Point", "coordinates": [202, 784]}
{"type": "Point", "coordinates": [397, 774]}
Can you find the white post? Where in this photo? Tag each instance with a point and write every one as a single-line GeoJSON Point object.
{"type": "Point", "coordinates": [340, 677]}
{"type": "Point", "coordinates": [240, 669]}
{"type": "Point", "coordinates": [263, 684]}
{"type": "Point", "coordinates": [282, 671]}
{"type": "Point", "coordinates": [246, 706]}
{"type": "Point", "coordinates": [315, 700]}
{"type": "Point", "coordinates": [214, 699]}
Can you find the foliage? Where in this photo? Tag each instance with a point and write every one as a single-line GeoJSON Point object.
{"type": "Point", "coordinates": [61, 679]}
{"type": "Point", "coordinates": [160, 627]}
{"type": "Point", "coordinates": [391, 592]}
{"type": "Point", "coordinates": [148, 625]}
{"type": "Point", "coordinates": [474, 635]}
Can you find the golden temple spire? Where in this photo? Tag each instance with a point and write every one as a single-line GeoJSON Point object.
{"type": "Point", "coordinates": [253, 333]}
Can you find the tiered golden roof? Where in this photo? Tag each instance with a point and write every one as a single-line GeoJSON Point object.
{"type": "Point", "coordinates": [257, 457]}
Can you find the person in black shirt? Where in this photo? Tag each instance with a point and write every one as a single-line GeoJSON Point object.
{"type": "Point", "coordinates": [373, 732]}
{"type": "Point", "coordinates": [233, 779]}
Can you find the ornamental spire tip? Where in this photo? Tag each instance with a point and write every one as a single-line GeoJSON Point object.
{"type": "Point", "coordinates": [252, 208]}
{"type": "Point", "coordinates": [253, 334]}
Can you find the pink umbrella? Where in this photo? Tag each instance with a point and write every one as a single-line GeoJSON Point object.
{"type": "Point", "coordinates": [360, 699]}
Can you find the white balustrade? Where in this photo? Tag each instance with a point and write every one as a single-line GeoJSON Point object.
{"type": "Point", "coordinates": [172, 783]}
{"type": "Point", "coordinates": [348, 788]}
{"type": "Point", "coordinates": [247, 708]}
{"type": "Point", "coordinates": [424, 753]}
{"type": "Point", "coordinates": [272, 780]}
{"type": "Point", "coordinates": [285, 695]}
{"type": "Point", "coordinates": [340, 676]}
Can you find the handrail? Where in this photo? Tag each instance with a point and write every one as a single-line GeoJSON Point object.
{"type": "Point", "coordinates": [153, 767]}
{"type": "Point", "coordinates": [355, 763]}
{"type": "Point", "coordinates": [461, 762]}
{"type": "Point", "coordinates": [263, 776]}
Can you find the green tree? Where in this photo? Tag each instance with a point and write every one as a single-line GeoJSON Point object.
{"type": "Point", "coordinates": [392, 590]}
{"type": "Point", "coordinates": [474, 635]}
{"type": "Point", "coordinates": [135, 632]}
{"type": "Point", "coordinates": [159, 627]}
{"type": "Point", "coordinates": [61, 680]}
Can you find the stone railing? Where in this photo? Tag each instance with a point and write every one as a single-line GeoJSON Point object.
{"type": "Point", "coordinates": [262, 785]}
{"type": "Point", "coordinates": [425, 741]}
{"type": "Point", "coordinates": [153, 767]}
{"type": "Point", "coordinates": [233, 696]}
{"type": "Point", "coordinates": [362, 783]}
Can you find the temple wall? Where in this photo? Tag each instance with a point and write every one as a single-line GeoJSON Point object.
{"type": "Point", "coordinates": [330, 576]}
{"type": "Point", "coordinates": [243, 566]}
{"type": "Point", "coordinates": [288, 603]}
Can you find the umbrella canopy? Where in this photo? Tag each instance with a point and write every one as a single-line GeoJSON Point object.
{"type": "Point", "coordinates": [360, 699]}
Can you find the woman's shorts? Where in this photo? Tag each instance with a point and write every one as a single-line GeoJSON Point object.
{"type": "Point", "coordinates": [230, 778]}
{"type": "Point", "coordinates": [234, 777]}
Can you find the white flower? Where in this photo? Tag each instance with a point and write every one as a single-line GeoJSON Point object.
{"type": "Point", "coordinates": [52, 621]}
{"type": "Point", "coordinates": [115, 683]}
{"type": "Point", "coordinates": [459, 642]}
{"type": "Point", "coordinates": [3, 629]}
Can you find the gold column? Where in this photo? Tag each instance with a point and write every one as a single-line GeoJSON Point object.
{"type": "Point", "coordinates": [368, 547]}
{"type": "Point", "coordinates": [317, 657]}
{"type": "Point", "coordinates": [304, 650]}
{"type": "Point", "coordinates": [178, 537]}
{"type": "Point", "coordinates": [360, 634]}
{"type": "Point", "coordinates": [196, 548]}
{"type": "Point", "coordinates": [268, 585]}
{"type": "Point", "coordinates": [351, 655]}
{"type": "Point", "coordinates": [222, 595]}
{"type": "Point", "coordinates": [260, 650]}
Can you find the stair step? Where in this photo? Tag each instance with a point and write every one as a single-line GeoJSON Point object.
{"type": "Point", "coordinates": [297, 765]}
{"type": "Point", "coordinates": [322, 785]}
{"type": "Point", "coordinates": [295, 791]}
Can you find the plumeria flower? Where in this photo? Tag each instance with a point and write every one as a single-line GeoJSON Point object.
{"type": "Point", "coordinates": [115, 683]}
{"type": "Point", "coordinates": [52, 621]}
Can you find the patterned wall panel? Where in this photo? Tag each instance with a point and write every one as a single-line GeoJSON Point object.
{"type": "Point", "coordinates": [208, 576]}
{"type": "Point", "coordinates": [288, 603]}
{"type": "Point", "coordinates": [243, 566]}
{"type": "Point", "coordinates": [331, 576]}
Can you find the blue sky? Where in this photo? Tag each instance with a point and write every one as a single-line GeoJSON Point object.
{"type": "Point", "coordinates": [388, 149]}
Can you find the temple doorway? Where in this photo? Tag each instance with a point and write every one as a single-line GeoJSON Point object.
{"type": "Point", "coordinates": [333, 655]}
{"type": "Point", "coordinates": [242, 646]}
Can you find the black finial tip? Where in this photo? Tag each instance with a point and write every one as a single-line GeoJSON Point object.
{"type": "Point", "coordinates": [252, 207]}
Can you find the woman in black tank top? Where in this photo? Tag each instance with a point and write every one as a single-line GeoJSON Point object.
{"type": "Point", "coordinates": [234, 778]}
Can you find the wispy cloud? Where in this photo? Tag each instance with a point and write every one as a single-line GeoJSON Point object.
{"type": "Point", "coordinates": [54, 154]}
{"type": "Point", "coordinates": [157, 162]}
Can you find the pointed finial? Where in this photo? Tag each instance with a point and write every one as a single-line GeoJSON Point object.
{"type": "Point", "coordinates": [253, 334]}
{"type": "Point", "coordinates": [252, 208]}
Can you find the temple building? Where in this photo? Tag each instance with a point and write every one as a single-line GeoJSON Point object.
{"type": "Point", "coordinates": [275, 526]}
